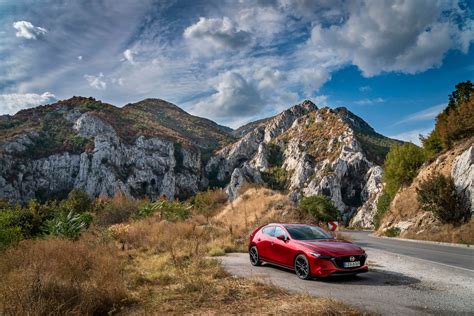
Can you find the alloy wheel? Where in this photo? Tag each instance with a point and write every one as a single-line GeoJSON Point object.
{"type": "Point", "coordinates": [302, 267]}
{"type": "Point", "coordinates": [254, 259]}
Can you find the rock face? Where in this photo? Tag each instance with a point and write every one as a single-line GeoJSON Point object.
{"type": "Point", "coordinates": [148, 167]}
{"type": "Point", "coordinates": [463, 175]}
{"type": "Point", "coordinates": [153, 148]}
{"type": "Point", "coordinates": [315, 151]}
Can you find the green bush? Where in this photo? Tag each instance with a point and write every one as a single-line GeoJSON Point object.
{"type": "Point", "coordinates": [275, 178]}
{"type": "Point", "coordinates": [392, 232]}
{"type": "Point", "coordinates": [432, 144]}
{"type": "Point", "coordinates": [77, 201]}
{"type": "Point", "coordinates": [320, 207]}
{"type": "Point", "coordinates": [172, 211]}
{"type": "Point", "coordinates": [207, 202]}
{"type": "Point", "coordinates": [67, 225]}
{"type": "Point", "coordinates": [401, 166]}
{"type": "Point", "coordinates": [10, 232]}
{"type": "Point", "coordinates": [438, 195]}
{"type": "Point", "coordinates": [383, 205]}
{"type": "Point", "coordinates": [275, 155]}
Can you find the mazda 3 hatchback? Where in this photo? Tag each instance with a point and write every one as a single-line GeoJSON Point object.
{"type": "Point", "coordinates": [306, 249]}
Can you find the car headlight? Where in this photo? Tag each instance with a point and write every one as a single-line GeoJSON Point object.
{"type": "Point", "coordinates": [320, 256]}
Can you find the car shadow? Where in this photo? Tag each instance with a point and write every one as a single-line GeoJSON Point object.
{"type": "Point", "coordinates": [375, 277]}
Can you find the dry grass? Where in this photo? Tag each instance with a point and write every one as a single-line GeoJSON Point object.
{"type": "Point", "coordinates": [58, 277]}
{"type": "Point", "coordinates": [116, 210]}
{"type": "Point", "coordinates": [151, 266]}
{"type": "Point", "coordinates": [168, 272]}
{"type": "Point", "coordinates": [462, 234]}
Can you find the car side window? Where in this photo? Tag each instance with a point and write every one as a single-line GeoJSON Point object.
{"type": "Point", "coordinates": [268, 230]}
{"type": "Point", "coordinates": [279, 231]}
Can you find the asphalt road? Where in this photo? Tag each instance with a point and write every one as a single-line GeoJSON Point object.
{"type": "Point", "coordinates": [404, 278]}
{"type": "Point", "coordinates": [460, 257]}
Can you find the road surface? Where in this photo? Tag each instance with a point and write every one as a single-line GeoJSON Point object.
{"type": "Point", "coordinates": [461, 257]}
{"type": "Point", "coordinates": [405, 278]}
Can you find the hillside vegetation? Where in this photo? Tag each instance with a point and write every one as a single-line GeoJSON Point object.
{"type": "Point", "coordinates": [51, 126]}
{"type": "Point", "coordinates": [420, 195]}
{"type": "Point", "coordinates": [139, 257]}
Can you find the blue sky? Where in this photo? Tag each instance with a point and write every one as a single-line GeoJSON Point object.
{"type": "Point", "coordinates": [392, 62]}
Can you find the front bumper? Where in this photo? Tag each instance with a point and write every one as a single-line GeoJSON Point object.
{"type": "Point", "coordinates": [321, 268]}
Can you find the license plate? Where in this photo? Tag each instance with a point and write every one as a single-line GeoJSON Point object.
{"type": "Point", "coordinates": [352, 264]}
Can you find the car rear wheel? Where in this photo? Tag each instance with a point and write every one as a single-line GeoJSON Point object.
{"type": "Point", "coordinates": [302, 267]}
{"type": "Point", "coordinates": [254, 258]}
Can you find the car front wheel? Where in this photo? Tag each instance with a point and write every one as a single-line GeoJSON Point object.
{"type": "Point", "coordinates": [254, 258]}
{"type": "Point", "coordinates": [302, 267]}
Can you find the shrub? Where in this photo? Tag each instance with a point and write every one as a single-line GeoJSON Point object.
{"type": "Point", "coordinates": [383, 205]}
{"type": "Point", "coordinates": [77, 201]}
{"type": "Point", "coordinates": [392, 232]}
{"type": "Point", "coordinates": [207, 203]}
{"type": "Point", "coordinates": [275, 178]}
{"type": "Point", "coordinates": [432, 144]}
{"type": "Point", "coordinates": [61, 277]}
{"type": "Point", "coordinates": [67, 225]}
{"type": "Point", "coordinates": [401, 166]}
{"type": "Point", "coordinates": [10, 232]}
{"type": "Point", "coordinates": [438, 195]}
{"type": "Point", "coordinates": [275, 155]}
{"type": "Point", "coordinates": [173, 210]}
{"type": "Point", "coordinates": [116, 210]}
{"type": "Point", "coordinates": [320, 207]}
{"type": "Point", "coordinates": [216, 252]}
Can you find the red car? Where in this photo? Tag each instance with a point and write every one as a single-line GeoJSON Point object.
{"type": "Point", "coordinates": [307, 249]}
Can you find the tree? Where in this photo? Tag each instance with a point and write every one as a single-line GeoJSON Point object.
{"type": "Point", "coordinates": [438, 195]}
{"type": "Point", "coordinates": [320, 207]}
{"type": "Point", "coordinates": [432, 143]}
{"type": "Point", "coordinates": [401, 166]}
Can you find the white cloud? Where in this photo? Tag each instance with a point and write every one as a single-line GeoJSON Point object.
{"type": "Point", "coordinates": [311, 78]}
{"type": "Point", "coordinates": [234, 97]}
{"type": "Point", "coordinates": [27, 30]}
{"type": "Point", "coordinates": [365, 88]}
{"type": "Point", "coordinates": [210, 33]}
{"type": "Point", "coordinates": [79, 57]}
{"type": "Point", "coordinates": [96, 82]}
{"type": "Point", "coordinates": [384, 36]}
{"type": "Point", "coordinates": [129, 56]}
{"type": "Point", "coordinates": [369, 101]}
{"type": "Point", "coordinates": [12, 103]}
{"type": "Point", "coordinates": [424, 115]}
{"type": "Point", "coordinates": [412, 135]}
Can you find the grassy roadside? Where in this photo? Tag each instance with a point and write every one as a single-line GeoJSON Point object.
{"type": "Point", "coordinates": [150, 265]}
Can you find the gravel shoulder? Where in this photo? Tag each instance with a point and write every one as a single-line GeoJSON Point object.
{"type": "Point", "coordinates": [395, 285]}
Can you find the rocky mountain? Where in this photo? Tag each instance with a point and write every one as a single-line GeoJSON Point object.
{"type": "Point", "coordinates": [154, 148]}
{"type": "Point", "coordinates": [307, 151]}
{"type": "Point", "coordinates": [150, 148]}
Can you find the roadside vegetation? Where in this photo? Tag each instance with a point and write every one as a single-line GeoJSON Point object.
{"type": "Point", "coordinates": [437, 194]}
{"type": "Point", "coordinates": [126, 256]}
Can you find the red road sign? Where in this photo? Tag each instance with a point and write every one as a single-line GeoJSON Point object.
{"type": "Point", "coordinates": [332, 225]}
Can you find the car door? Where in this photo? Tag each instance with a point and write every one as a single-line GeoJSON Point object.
{"type": "Point", "coordinates": [280, 250]}
{"type": "Point", "coordinates": [264, 242]}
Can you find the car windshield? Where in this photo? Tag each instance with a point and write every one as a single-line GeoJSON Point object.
{"type": "Point", "coordinates": [306, 232]}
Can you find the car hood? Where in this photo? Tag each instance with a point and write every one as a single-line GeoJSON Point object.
{"type": "Point", "coordinates": [331, 247]}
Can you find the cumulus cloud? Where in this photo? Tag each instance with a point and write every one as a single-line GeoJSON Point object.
{"type": "Point", "coordinates": [12, 103]}
{"type": "Point", "coordinates": [219, 33]}
{"type": "Point", "coordinates": [234, 97]}
{"type": "Point", "coordinates": [129, 56]}
{"type": "Point", "coordinates": [311, 78]}
{"type": "Point", "coordinates": [27, 30]}
{"type": "Point", "coordinates": [403, 36]}
{"type": "Point", "coordinates": [96, 82]}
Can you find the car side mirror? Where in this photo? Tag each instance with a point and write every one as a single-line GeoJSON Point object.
{"type": "Point", "coordinates": [282, 237]}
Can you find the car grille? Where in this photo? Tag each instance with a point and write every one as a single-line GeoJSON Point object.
{"type": "Point", "coordinates": [339, 261]}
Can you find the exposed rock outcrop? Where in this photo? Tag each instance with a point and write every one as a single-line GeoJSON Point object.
{"type": "Point", "coordinates": [463, 175]}
{"type": "Point", "coordinates": [320, 154]}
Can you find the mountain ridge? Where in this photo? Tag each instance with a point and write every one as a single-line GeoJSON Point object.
{"type": "Point", "coordinates": [154, 148]}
